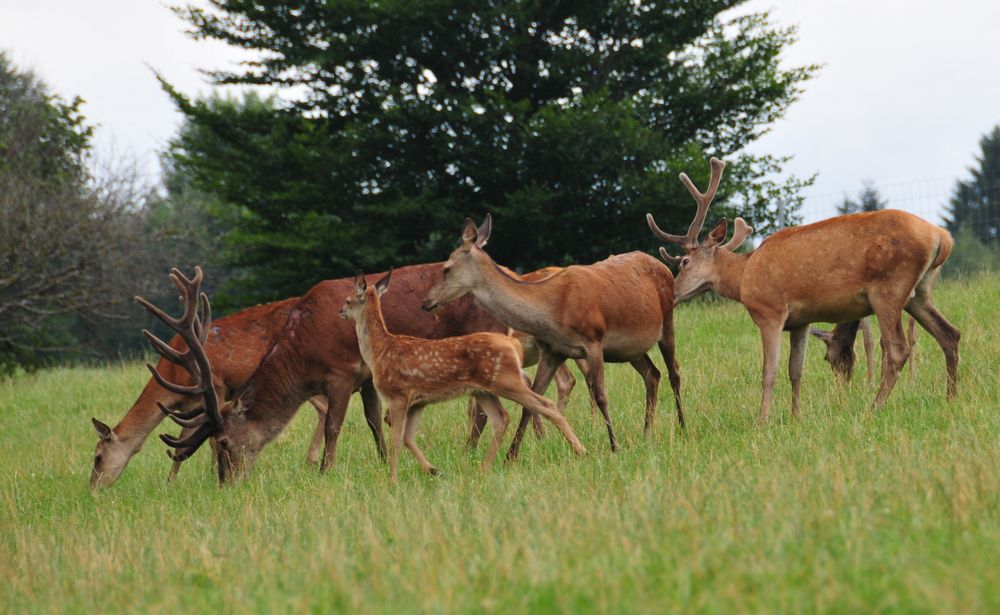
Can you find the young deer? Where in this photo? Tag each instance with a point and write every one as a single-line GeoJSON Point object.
{"type": "Point", "coordinates": [409, 373]}
{"type": "Point", "coordinates": [614, 310]}
{"type": "Point", "coordinates": [837, 270]}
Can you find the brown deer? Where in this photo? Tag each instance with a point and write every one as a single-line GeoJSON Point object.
{"type": "Point", "coordinates": [840, 347]}
{"type": "Point", "coordinates": [614, 310]}
{"type": "Point", "coordinates": [410, 373]}
{"type": "Point", "coordinates": [235, 345]}
{"type": "Point", "coordinates": [317, 353]}
{"type": "Point", "coordinates": [837, 270]}
{"type": "Point", "coordinates": [564, 379]}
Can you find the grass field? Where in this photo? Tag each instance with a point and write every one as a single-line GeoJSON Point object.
{"type": "Point", "coordinates": [842, 511]}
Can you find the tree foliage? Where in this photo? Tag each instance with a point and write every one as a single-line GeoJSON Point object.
{"type": "Point", "coordinates": [975, 202]}
{"type": "Point", "coordinates": [869, 199]}
{"type": "Point", "coordinates": [395, 120]}
{"type": "Point", "coordinates": [72, 242]}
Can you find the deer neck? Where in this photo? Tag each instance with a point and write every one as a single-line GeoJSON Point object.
{"type": "Point", "coordinates": [144, 416]}
{"type": "Point", "coordinates": [521, 305]}
{"type": "Point", "coordinates": [280, 386]}
{"type": "Point", "coordinates": [372, 332]}
{"type": "Point", "coordinates": [730, 273]}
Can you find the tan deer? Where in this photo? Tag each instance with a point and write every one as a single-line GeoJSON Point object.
{"type": "Point", "coordinates": [409, 373]}
{"type": "Point", "coordinates": [837, 270]}
{"type": "Point", "coordinates": [614, 310]}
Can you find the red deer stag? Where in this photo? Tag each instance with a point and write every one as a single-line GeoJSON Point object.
{"type": "Point", "coordinates": [614, 310]}
{"type": "Point", "coordinates": [235, 345]}
{"type": "Point", "coordinates": [410, 373]}
{"type": "Point", "coordinates": [317, 353]}
{"type": "Point", "coordinates": [837, 270]}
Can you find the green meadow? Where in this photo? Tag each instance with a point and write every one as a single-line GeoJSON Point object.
{"type": "Point", "coordinates": [843, 510]}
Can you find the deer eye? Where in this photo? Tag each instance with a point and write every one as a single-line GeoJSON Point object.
{"type": "Point", "coordinates": [685, 262]}
{"type": "Point", "coordinates": [445, 272]}
{"type": "Point", "coordinates": [97, 460]}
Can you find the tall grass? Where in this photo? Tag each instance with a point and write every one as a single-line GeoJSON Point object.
{"type": "Point", "coordinates": [843, 510]}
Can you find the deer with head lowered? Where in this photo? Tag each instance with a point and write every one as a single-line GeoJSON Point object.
{"type": "Point", "coordinates": [234, 346]}
{"type": "Point", "coordinates": [409, 373]}
{"type": "Point", "coordinates": [838, 270]}
{"type": "Point", "coordinates": [614, 310]}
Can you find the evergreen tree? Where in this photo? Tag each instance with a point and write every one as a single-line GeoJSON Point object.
{"type": "Point", "coordinates": [975, 202]}
{"type": "Point", "coordinates": [869, 199]}
{"type": "Point", "coordinates": [396, 120]}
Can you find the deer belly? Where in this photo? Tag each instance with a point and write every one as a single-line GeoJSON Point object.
{"type": "Point", "coordinates": [842, 308]}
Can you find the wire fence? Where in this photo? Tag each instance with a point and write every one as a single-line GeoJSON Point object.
{"type": "Point", "coordinates": [927, 198]}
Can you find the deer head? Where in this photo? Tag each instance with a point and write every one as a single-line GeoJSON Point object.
{"type": "Point", "coordinates": [699, 267]}
{"type": "Point", "coordinates": [110, 457]}
{"type": "Point", "coordinates": [354, 306]}
{"type": "Point", "coordinates": [460, 270]}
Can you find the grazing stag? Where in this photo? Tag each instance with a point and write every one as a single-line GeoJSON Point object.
{"type": "Point", "coordinates": [837, 270]}
{"type": "Point", "coordinates": [840, 347]}
{"type": "Point", "coordinates": [317, 353]}
{"type": "Point", "coordinates": [409, 373]}
{"type": "Point", "coordinates": [235, 345]}
{"type": "Point", "coordinates": [614, 311]}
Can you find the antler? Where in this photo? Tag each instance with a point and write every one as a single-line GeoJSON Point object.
{"type": "Point", "coordinates": [192, 326]}
{"type": "Point", "coordinates": [740, 233]}
{"type": "Point", "coordinates": [690, 240]}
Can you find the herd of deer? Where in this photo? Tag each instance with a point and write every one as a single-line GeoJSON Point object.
{"type": "Point", "coordinates": [238, 381]}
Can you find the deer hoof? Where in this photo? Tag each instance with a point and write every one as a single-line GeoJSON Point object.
{"type": "Point", "coordinates": [435, 472]}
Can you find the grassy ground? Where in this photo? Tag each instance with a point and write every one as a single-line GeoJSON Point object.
{"type": "Point", "coordinates": [843, 510]}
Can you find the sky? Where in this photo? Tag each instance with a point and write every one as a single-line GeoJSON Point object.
{"type": "Point", "coordinates": [906, 89]}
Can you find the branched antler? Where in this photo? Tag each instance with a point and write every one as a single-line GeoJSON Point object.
{"type": "Point", "coordinates": [690, 240]}
{"type": "Point", "coordinates": [192, 326]}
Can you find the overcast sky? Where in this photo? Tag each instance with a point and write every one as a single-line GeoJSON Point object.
{"type": "Point", "coordinates": [906, 90]}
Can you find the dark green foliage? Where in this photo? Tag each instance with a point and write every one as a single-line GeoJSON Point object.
{"type": "Point", "coordinates": [975, 202]}
{"type": "Point", "coordinates": [395, 120]}
{"type": "Point", "coordinates": [869, 199]}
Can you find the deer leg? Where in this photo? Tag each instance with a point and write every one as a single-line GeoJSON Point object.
{"type": "Point", "coordinates": [338, 395]}
{"type": "Point", "coordinates": [796, 358]}
{"type": "Point", "coordinates": [547, 365]}
{"type": "Point", "coordinates": [582, 366]}
{"type": "Point", "coordinates": [669, 352]}
{"type": "Point", "coordinates": [894, 349]}
{"type": "Point", "coordinates": [866, 338]}
{"type": "Point", "coordinates": [397, 411]}
{"type": "Point", "coordinates": [911, 341]}
{"type": "Point", "coordinates": [410, 440]}
{"type": "Point", "coordinates": [595, 379]}
{"type": "Point", "coordinates": [770, 335]}
{"type": "Point", "coordinates": [944, 333]}
{"type": "Point", "coordinates": [651, 378]}
{"type": "Point", "coordinates": [516, 392]}
{"type": "Point", "coordinates": [319, 403]}
{"type": "Point", "coordinates": [564, 386]}
{"type": "Point", "coordinates": [373, 415]}
{"type": "Point", "coordinates": [499, 420]}
{"type": "Point", "coordinates": [477, 421]}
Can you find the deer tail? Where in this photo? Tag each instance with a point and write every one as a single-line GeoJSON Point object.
{"type": "Point", "coordinates": [945, 245]}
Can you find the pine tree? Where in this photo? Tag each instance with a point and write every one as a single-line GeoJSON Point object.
{"type": "Point", "coordinates": [975, 202]}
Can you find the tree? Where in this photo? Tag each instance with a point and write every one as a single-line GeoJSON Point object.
{"type": "Point", "coordinates": [71, 245]}
{"type": "Point", "coordinates": [869, 199]}
{"type": "Point", "coordinates": [395, 120]}
{"type": "Point", "coordinates": [975, 202]}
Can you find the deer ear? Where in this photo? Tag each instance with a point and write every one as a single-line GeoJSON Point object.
{"type": "Point", "coordinates": [469, 234]}
{"type": "Point", "coordinates": [103, 430]}
{"type": "Point", "coordinates": [826, 336]}
{"type": "Point", "coordinates": [716, 235]}
{"type": "Point", "coordinates": [483, 232]}
{"type": "Point", "coordinates": [383, 285]}
{"type": "Point", "coordinates": [244, 399]}
{"type": "Point", "coordinates": [360, 283]}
